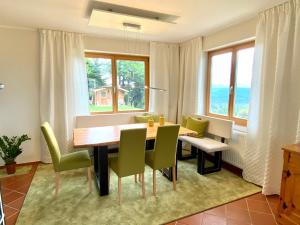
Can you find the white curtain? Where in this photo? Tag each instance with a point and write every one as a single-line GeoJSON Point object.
{"type": "Point", "coordinates": [164, 73]}
{"type": "Point", "coordinates": [192, 79]}
{"type": "Point", "coordinates": [274, 117]}
{"type": "Point", "coordinates": [63, 84]}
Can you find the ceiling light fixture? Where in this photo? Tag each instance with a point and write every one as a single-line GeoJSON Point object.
{"type": "Point", "coordinates": [129, 11]}
{"type": "Point", "coordinates": [132, 26]}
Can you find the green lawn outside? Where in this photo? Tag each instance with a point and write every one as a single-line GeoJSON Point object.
{"type": "Point", "coordinates": [94, 108]}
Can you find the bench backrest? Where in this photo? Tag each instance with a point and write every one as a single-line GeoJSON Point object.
{"type": "Point", "coordinates": [105, 119]}
{"type": "Point", "coordinates": [218, 127]}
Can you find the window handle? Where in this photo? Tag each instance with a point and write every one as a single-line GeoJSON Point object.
{"type": "Point", "coordinates": [231, 90]}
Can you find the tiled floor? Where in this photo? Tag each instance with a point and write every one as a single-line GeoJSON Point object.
{"type": "Point", "coordinates": [14, 190]}
{"type": "Point", "coordinates": [256, 210]}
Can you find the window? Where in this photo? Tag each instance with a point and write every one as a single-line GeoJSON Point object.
{"type": "Point", "coordinates": [229, 82]}
{"type": "Point", "coordinates": [117, 83]}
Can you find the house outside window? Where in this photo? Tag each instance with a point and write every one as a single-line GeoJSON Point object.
{"type": "Point", "coordinates": [120, 82]}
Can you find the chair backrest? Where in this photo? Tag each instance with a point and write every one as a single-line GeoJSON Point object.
{"type": "Point", "coordinates": [52, 144]}
{"type": "Point", "coordinates": [165, 146]}
{"type": "Point", "coordinates": [132, 151]}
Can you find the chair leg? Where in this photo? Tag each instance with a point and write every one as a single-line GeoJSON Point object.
{"type": "Point", "coordinates": [57, 182]}
{"type": "Point", "coordinates": [143, 185]}
{"type": "Point", "coordinates": [135, 178]}
{"type": "Point", "coordinates": [119, 190]}
{"type": "Point", "coordinates": [140, 179]}
{"type": "Point", "coordinates": [89, 175]}
{"type": "Point", "coordinates": [154, 182]}
{"type": "Point", "coordinates": [174, 177]}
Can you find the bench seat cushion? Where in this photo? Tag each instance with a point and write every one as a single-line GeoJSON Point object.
{"type": "Point", "coordinates": [206, 144]}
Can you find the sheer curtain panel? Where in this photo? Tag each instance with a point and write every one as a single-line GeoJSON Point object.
{"type": "Point", "coordinates": [63, 85]}
{"type": "Point", "coordinates": [274, 115]}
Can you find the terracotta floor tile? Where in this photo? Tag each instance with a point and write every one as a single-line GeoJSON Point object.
{"type": "Point", "coordinates": [236, 222]}
{"type": "Point", "coordinates": [258, 197]}
{"type": "Point", "coordinates": [238, 214]}
{"type": "Point", "coordinates": [219, 211]}
{"type": "Point", "coordinates": [213, 220]}
{"type": "Point", "coordinates": [193, 220]}
{"type": "Point", "coordinates": [5, 191]}
{"type": "Point", "coordinates": [258, 206]}
{"type": "Point", "coordinates": [11, 197]}
{"type": "Point", "coordinates": [17, 204]}
{"type": "Point", "coordinates": [273, 199]}
{"type": "Point", "coordinates": [262, 219]}
{"type": "Point", "coordinates": [12, 219]}
{"type": "Point", "coordinates": [8, 211]}
{"type": "Point", "coordinates": [18, 184]}
{"type": "Point", "coordinates": [239, 203]}
{"type": "Point", "coordinates": [23, 189]}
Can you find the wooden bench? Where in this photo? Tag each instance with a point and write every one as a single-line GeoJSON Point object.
{"type": "Point", "coordinates": [200, 147]}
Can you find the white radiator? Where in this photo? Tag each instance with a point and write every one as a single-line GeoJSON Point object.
{"type": "Point", "coordinates": [237, 149]}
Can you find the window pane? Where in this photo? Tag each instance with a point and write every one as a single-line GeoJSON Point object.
{"type": "Point", "coordinates": [220, 83]}
{"type": "Point", "coordinates": [99, 84]}
{"type": "Point", "coordinates": [243, 83]}
{"type": "Point", "coordinates": [131, 85]}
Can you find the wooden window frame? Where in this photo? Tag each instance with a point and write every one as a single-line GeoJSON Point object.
{"type": "Point", "coordinates": [114, 58]}
{"type": "Point", "coordinates": [234, 49]}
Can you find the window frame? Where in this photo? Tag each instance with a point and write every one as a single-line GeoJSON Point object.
{"type": "Point", "coordinates": [114, 58]}
{"type": "Point", "coordinates": [233, 49]}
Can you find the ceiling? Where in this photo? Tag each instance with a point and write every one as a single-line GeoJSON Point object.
{"type": "Point", "coordinates": [197, 17]}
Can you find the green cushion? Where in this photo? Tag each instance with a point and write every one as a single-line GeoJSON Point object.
{"type": "Point", "coordinates": [145, 117]}
{"type": "Point", "coordinates": [197, 125]}
{"type": "Point", "coordinates": [74, 160]}
{"type": "Point", "coordinates": [142, 119]}
{"type": "Point", "coordinates": [183, 121]}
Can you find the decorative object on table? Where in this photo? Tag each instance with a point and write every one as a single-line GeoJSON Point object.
{"type": "Point", "coordinates": [161, 120]}
{"type": "Point", "coordinates": [151, 122]}
{"type": "Point", "coordinates": [2, 86]}
{"type": "Point", "coordinates": [10, 149]}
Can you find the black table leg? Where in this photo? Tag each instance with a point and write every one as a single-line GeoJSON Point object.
{"type": "Point", "coordinates": [101, 169]}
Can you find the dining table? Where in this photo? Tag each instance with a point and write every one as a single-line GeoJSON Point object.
{"type": "Point", "coordinates": [101, 138]}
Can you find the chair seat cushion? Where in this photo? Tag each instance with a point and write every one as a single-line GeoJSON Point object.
{"type": "Point", "coordinates": [206, 144]}
{"type": "Point", "coordinates": [75, 160]}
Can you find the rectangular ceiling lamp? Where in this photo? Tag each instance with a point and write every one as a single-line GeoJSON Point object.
{"type": "Point", "coordinates": [103, 14]}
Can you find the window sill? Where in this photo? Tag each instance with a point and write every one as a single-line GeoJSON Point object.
{"type": "Point", "coordinates": [239, 128]}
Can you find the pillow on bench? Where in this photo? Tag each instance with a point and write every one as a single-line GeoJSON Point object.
{"type": "Point", "coordinates": [144, 118]}
{"type": "Point", "coordinates": [195, 124]}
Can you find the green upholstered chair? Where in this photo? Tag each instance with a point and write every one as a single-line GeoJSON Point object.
{"type": "Point", "coordinates": [70, 161]}
{"type": "Point", "coordinates": [131, 156]}
{"type": "Point", "coordinates": [164, 153]}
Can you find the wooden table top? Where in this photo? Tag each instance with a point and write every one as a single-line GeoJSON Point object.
{"type": "Point", "coordinates": [109, 135]}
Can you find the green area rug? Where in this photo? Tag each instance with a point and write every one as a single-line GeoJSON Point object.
{"type": "Point", "coordinates": [20, 170]}
{"type": "Point", "coordinates": [75, 205]}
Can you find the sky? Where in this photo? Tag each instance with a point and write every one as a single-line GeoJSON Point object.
{"type": "Point", "coordinates": [221, 69]}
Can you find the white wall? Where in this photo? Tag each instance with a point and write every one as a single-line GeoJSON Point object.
{"type": "Point", "coordinates": [19, 101]}
{"type": "Point", "coordinates": [231, 35]}
{"type": "Point", "coordinates": [122, 46]}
